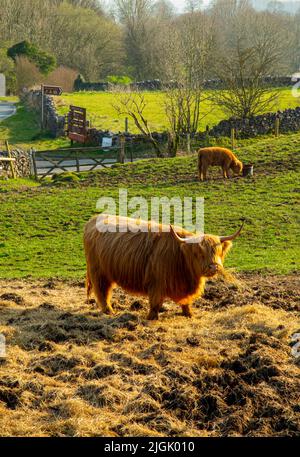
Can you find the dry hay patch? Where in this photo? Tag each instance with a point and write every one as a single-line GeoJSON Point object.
{"type": "Point", "coordinates": [70, 371]}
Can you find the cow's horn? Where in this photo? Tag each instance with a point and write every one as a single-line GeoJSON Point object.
{"type": "Point", "coordinates": [192, 239]}
{"type": "Point", "coordinates": [181, 240]}
{"type": "Point", "coordinates": [232, 237]}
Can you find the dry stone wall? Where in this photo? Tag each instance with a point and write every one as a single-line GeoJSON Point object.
{"type": "Point", "coordinates": [53, 122]}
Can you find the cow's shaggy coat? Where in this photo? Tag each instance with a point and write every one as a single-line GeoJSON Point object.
{"type": "Point", "coordinates": [155, 264]}
{"type": "Point", "coordinates": [215, 156]}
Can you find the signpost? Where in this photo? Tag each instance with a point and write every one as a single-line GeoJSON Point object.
{"type": "Point", "coordinates": [77, 124]}
{"type": "Point", "coordinates": [52, 90]}
{"type": "Point", "coordinates": [48, 90]}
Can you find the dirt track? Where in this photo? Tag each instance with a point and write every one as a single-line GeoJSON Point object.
{"type": "Point", "coordinates": [229, 371]}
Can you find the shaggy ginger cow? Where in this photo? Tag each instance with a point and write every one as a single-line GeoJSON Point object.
{"type": "Point", "coordinates": [170, 264]}
{"type": "Point", "coordinates": [218, 157]}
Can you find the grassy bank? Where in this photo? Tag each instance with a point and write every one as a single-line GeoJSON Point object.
{"type": "Point", "coordinates": [42, 226]}
{"type": "Point", "coordinates": [23, 130]}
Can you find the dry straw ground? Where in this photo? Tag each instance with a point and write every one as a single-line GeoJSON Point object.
{"type": "Point", "coordinates": [71, 371]}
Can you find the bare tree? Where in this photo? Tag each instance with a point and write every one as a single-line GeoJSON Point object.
{"type": "Point", "coordinates": [63, 77]}
{"type": "Point", "coordinates": [191, 6]}
{"type": "Point", "coordinates": [293, 58]}
{"type": "Point", "coordinates": [27, 74]}
{"type": "Point", "coordinates": [275, 6]}
{"type": "Point", "coordinates": [133, 105]}
{"type": "Point", "coordinates": [182, 107]}
{"type": "Point", "coordinates": [247, 54]}
{"type": "Point", "coordinates": [186, 51]}
{"type": "Point", "coordinates": [163, 10]}
{"type": "Point", "coordinates": [135, 16]}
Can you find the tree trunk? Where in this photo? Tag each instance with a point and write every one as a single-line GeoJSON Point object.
{"type": "Point", "coordinates": [173, 142]}
{"type": "Point", "coordinates": [156, 146]}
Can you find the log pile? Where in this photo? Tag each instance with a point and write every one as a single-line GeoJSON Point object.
{"type": "Point", "coordinates": [22, 164]}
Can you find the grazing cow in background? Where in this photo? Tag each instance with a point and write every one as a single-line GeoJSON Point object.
{"type": "Point", "coordinates": [163, 263]}
{"type": "Point", "coordinates": [218, 157]}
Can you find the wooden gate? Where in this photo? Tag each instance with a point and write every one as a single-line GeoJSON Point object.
{"type": "Point", "coordinates": [47, 163]}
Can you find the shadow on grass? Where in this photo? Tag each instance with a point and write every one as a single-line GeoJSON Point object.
{"type": "Point", "coordinates": [37, 328]}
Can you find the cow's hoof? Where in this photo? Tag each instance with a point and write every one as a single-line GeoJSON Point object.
{"type": "Point", "coordinates": [186, 311]}
{"type": "Point", "coordinates": [109, 311]}
{"type": "Point", "coordinates": [188, 315]}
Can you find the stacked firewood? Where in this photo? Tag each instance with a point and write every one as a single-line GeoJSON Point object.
{"type": "Point", "coordinates": [22, 164]}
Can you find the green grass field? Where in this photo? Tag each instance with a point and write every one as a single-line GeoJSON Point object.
{"type": "Point", "coordinates": [23, 129]}
{"type": "Point", "coordinates": [102, 114]}
{"type": "Point", "coordinates": [42, 225]}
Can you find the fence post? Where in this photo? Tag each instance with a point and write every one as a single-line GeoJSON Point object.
{"type": "Point", "coordinates": [31, 162]}
{"type": "Point", "coordinates": [12, 167]}
{"type": "Point", "coordinates": [207, 141]}
{"type": "Point", "coordinates": [77, 163]}
{"type": "Point", "coordinates": [188, 140]}
{"type": "Point", "coordinates": [42, 107]}
{"type": "Point", "coordinates": [277, 125]}
{"type": "Point", "coordinates": [131, 150]}
{"type": "Point", "coordinates": [122, 149]}
{"type": "Point", "coordinates": [232, 138]}
{"type": "Point", "coordinates": [34, 163]}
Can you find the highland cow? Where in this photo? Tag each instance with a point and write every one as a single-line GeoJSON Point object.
{"type": "Point", "coordinates": [166, 263]}
{"type": "Point", "coordinates": [218, 157]}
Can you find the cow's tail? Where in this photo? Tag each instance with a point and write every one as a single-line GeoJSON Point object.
{"type": "Point", "coordinates": [89, 286]}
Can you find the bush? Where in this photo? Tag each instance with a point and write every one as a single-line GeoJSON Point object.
{"type": "Point", "coordinates": [44, 61]}
{"type": "Point", "coordinates": [63, 77]}
{"type": "Point", "coordinates": [27, 74]}
{"type": "Point", "coordinates": [120, 80]}
{"type": "Point", "coordinates": [78, 83]}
